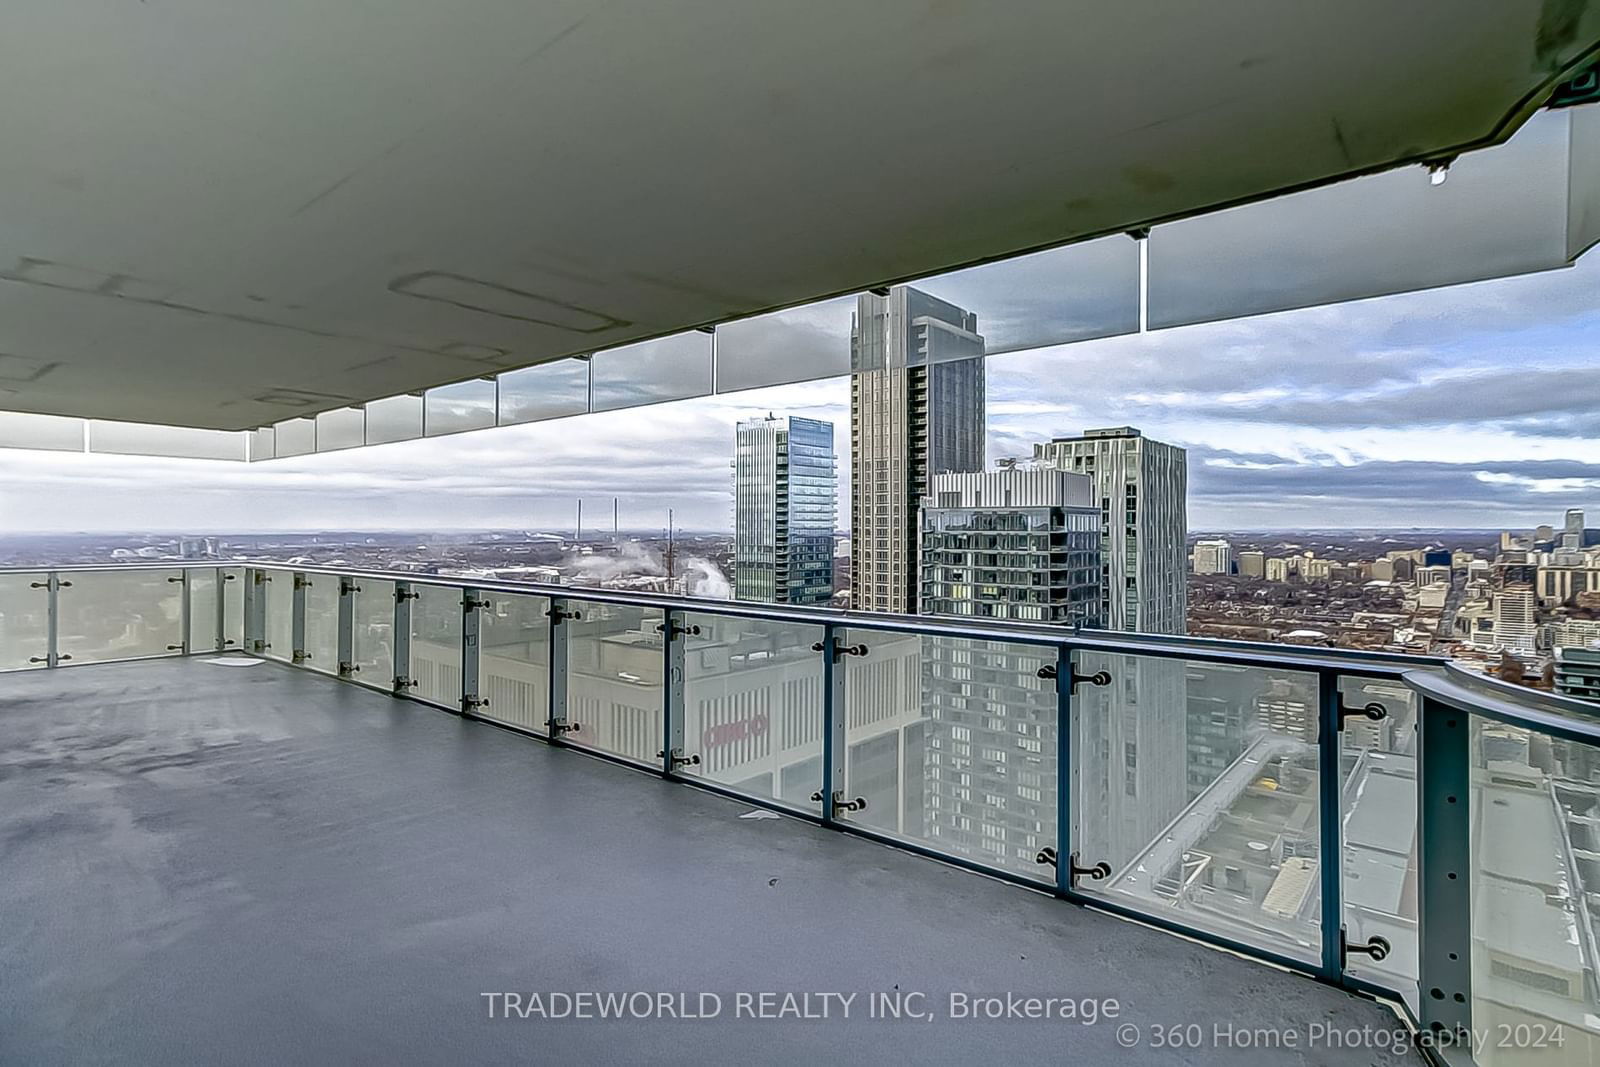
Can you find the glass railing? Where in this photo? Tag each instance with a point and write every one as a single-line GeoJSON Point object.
{"type": "Point", "coordinates": [1238, 793]}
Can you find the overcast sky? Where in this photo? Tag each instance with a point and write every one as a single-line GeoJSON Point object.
{"type": "Point", "coordinates": [1472, 406]}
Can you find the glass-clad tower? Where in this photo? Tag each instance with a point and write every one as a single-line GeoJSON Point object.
{"type": "Point", "coordinates": [784, 500]}
{"type": "Point", "coordinates": [916, 410]}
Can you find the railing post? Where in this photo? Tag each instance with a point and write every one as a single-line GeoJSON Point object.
{"type": "Point", "coordinates": [1444, 871]}
{"type": "Point", "coordinates": [560, 616]}
{"type": "Point", "coordinates": [347, 627]}
{"type": "Point", "coordinates": [221, 642]}
{"type": "Point", "coordinates": [297, 619]}
{"type": "Point", "coordinates": [1330, 847]}
{"type": "Point", "coordinates": [186, 616]}
{"type": "Point", "coordinates": [1064, 829]}
{"type": "Point", "coordinates": [255, 611]}
{"type": "Point", "coordinates": [673, 632]}
{"type": "Point", "coordinates": [835, 712]}
{"type": "Point", "coordinates": [471, 621]}
{"type": "Point", "coordinates": [52, 655]}
{"type": "Point", "coordinates": [402, 637]}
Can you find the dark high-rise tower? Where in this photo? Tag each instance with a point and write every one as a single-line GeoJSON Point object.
{"type": "Point", "coordinates": [916, 410]}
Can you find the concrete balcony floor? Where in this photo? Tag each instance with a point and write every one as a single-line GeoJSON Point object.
{"type": "Point", "coordinates": [202, 863]}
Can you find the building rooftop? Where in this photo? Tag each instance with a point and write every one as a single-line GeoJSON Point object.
{"type": "Point", "coordinates": [259, 864]}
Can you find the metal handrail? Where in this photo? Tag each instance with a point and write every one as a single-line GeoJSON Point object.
{"type": "Point", "coordinates": [1560, 716]}
{"type": "Point", "coordinates": [1432, 676]}
{"type": "Point", "coordinates": [1114, 642]}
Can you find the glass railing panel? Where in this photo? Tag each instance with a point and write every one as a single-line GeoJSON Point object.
{"type": "Point", "coordinates": [294, 437]}
{"type": "Point", "coordinates": [109, 615]}
{"type": "Point", "coordinates": [322, 623]}
{"type": "Point", "coordinates": [547, 391]}
{"type": "Point", "coordinates": [394, 418]}
{"type": "Point", "coordinates": [1378, 813]}
{"type": "Point", "coordinates": [753, 695]}
{"type": "Point", "coordinates": [668, 368]}
{"type": "Point", "coordinates": [279, 631]}
{"type": "Point", "coordinates": [24, 621]}
{"type": "Point", "coordinates": [614, 679]}
{"type": "Point", "coordinates": [204, 616]}
{"type": "Point", "coordinates": [1054, 297]}
{"type": "Point", "coordinates": [1502, 211]}
{"type": "Point", "coordinates": [436, 645]}
{"type": "Point", "coordinates": [263, 443]}
{"type": "Point", "coordinates": [1197, 785]}
{"type": "Point", "coordinates": [514, 661]}
{"type": "Point", "coordinates": [341, 428]}
{"type": "Point", "coordinates": [372, 632]}
{"type": "Point", "coordinates": [233, 607]}
{"type": "Point", "coordinates": [1535, 890]}
{"type": "Point", "coordinates": [459, 407]}
{"type": "Point", "coordinates": [56, 433]}
{"type": "Point", "coordinates": [1583, 181]}
{"type": "Point", "coordinates": [181, 442]}
{"type": "Point", "coordinates": [952, 744]}
{"type": "Point", "coordinates": [798, 345]}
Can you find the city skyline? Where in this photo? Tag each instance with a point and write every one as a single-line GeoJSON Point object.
{"type": "Point", "coordinates": [1462, 408]}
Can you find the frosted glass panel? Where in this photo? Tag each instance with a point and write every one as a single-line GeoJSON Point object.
{"type": "Point", "coordinates": [436, 645]}
{"type": "Point", "coordinates": [614, 680]}
{"type": "Point", "coordinates": [548, 391]}
{"type": "Point", "coordinates": [24, 621]}
{"type": "Point", "coordinates": [753, 707]}
{"type": "Point", "coordinates": [1583, 193]}
{"type": "Point", "coordinates": [395, 418]}
{"type": "Point", "coordinates": [279, 591]}
{"type": "Point", "coordinates": [294, 437]}
{"type": "Point", "coordinates": [372, 636]}
{"type": "Point", "coordinates": [263, 443]}
{"type": "Point", "coordinates": [1500, 211]}
{"type": "Point", "coordinates": [105, 615]}
{"type": "Point", "coordinates": [1198, 788]}
{"type": "Point", "coordinates": [19, 429]}
{"type": "Point", "coordinates": [798, 345]}
{"type": "Point", "coordinates": [203, 632]}
{"type": "Point", "coordinates": [952, 744]}
{"type": "Point", "coordinates": [460, 407]}
{"type": "Point", "coordinates": [137, 439]}
{"type": "Point", "coordinates": [322, 623]}
{"type": "Point", "coordinates": [1054, 297]}
{"type": "Point", "coordinates": [514, 662]}
{"type": "Point", "coordinates": [671, 368]}
{"type": "Point", "coordinates": [341, 428]}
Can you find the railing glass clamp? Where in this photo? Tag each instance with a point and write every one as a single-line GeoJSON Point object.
{"type": "Point", "coordinates": [1374, 711]}
{"type": "Point", "coordinates": [841, 805]}
{"type": "Point", "coordinates": [840, 651]}
{"type": "Point", "coordinates": [1099, 872]}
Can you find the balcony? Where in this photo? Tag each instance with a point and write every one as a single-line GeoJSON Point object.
{"type": "Point", "coordinates": [296, 849]}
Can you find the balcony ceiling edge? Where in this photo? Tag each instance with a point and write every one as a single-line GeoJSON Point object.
{"type": "Point", "coordinates": [223, 219]}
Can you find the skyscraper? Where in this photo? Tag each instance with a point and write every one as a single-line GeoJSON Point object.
{"type": "Point", "coordinates": [1514, 618]}
{"type": "Point", "coordinates": [1008, 544]}
{"type": "Point", "coordinates": [1138, 727]}
{"type": "Point", "coordinates": [1012, 544]}
{"type": "Point", "coordinates": [916, 410]}
{"type": "Point", "coordinates": [1143, 488]}
{"type": "Point", "coordinates": [1572, 534]}
{"type": "Point", "coordinates": [1213, 557]}
{"type": "Point", "coordinates": [784, 487]}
